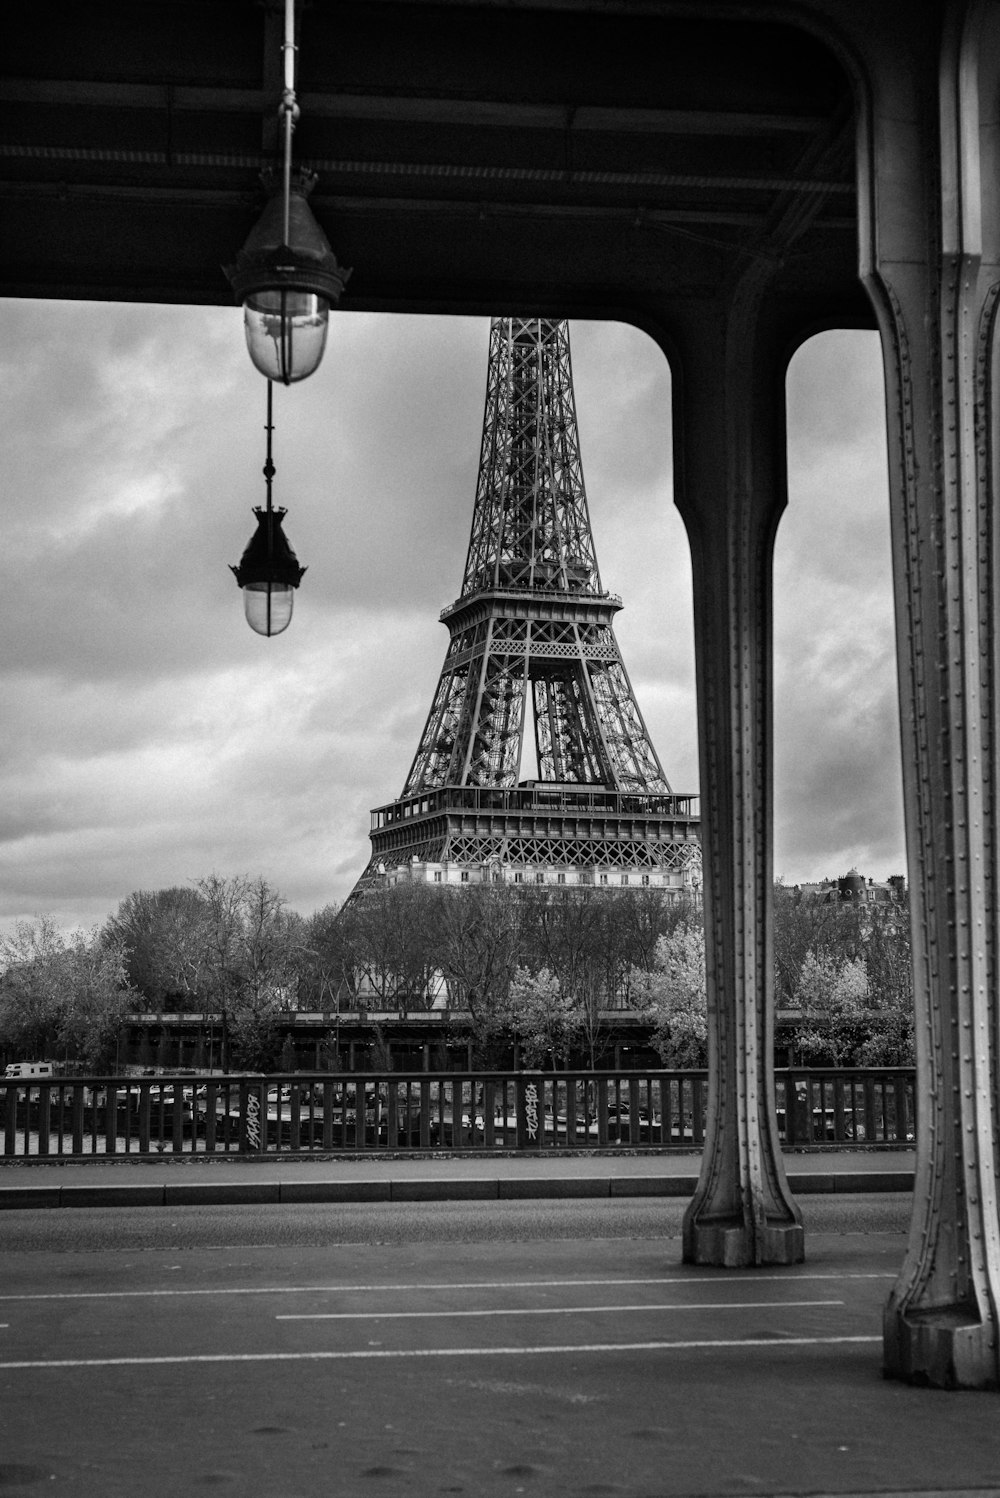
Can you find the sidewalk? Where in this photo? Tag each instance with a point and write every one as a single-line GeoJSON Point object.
{"type": "Point", "coordinates": [186, 1180]}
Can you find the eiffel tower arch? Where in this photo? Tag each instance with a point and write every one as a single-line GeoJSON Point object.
{"type": "Point", "coordinates": [533, 678]}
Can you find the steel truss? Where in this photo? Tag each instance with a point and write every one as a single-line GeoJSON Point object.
{"type": "Point", "coordinates": [532, 655]}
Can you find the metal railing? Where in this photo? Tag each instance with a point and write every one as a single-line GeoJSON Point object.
{"type": "Point", "coordinates": [400, 1112]}
{"type": "Point", "coordinates": [846, 1108]}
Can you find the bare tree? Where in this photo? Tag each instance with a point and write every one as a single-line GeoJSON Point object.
{"type": "Point", "coordinates": [248, 963]}
{"type": "Point", "coordinates": [328, 972]}
{"type": "Point", "coordinates": [478, 939]}
{"type": "Point", "coordinates": [392, 936]}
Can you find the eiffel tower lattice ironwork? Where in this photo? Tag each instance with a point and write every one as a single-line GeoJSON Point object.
{"type": "Point", "coordinates": [533, 660]}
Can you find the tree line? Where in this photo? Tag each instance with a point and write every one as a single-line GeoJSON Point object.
{"type": "Point", "coordinates": [526, 966]}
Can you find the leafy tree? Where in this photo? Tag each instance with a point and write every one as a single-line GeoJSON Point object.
{"type": "Point", "coordinates": [545, 1020]}
{"type": "Point", "coordinates": [675, 996]}
{"type": "Point", "coordinates": [845, 1022]}
{"type": "Point", "coordinates": [822, 948]}
{"type": "Point", "coordinates": [399, 939]}
{"type": "Point", "coordinates": [63, 996]}
{"type": "Point", "coordinates": [810, 925]}
{"type": "Point", "coordinates": [890, 1040]}
{"type": "Point", "coordinates": [887, 951]}
{"type": "Point", "coordinates": [832, 994]}
{"type": "Point", "coordinates": [887, 955]}
{"type": "Point", "coordinates": [32, 988]}
{"type": "Point", "coordinates": [163, 933]}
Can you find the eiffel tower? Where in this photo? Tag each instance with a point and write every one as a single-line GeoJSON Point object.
{"type": "Point", "coordinates": [533, 663]}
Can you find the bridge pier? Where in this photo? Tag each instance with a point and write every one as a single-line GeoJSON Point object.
{"type": "Point", "coordinates": [930, 249]}
{"type": "Point", "coordinates": [731, 490]}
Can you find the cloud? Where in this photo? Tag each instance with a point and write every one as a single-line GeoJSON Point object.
{"type": "Point", "coordinates": [837, 759]}
{"type": "Point", "coordinates": [150, 738]}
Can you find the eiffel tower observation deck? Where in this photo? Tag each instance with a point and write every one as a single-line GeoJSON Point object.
{"type": "Point", "coordinates": [533, 677]}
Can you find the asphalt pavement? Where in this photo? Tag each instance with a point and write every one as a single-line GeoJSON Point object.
{"type": "Point", "coordinates": [555, 1348]}
{"type": "Point", "coordinates": [455, 1324]}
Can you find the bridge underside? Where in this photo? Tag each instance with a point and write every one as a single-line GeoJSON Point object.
{"type": "Point", "coordinates": [732, 185]}
{"type": "Point", "coordinates": [471, 158]}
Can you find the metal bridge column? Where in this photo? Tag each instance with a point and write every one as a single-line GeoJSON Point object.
{"type": "Point", "coordinates": [930, 247]}
{"type": "Point", "coordinates": [730, 477]}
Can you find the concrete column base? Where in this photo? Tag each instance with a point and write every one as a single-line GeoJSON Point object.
{"type": "Point", "coordinates": [731, 1243]}
{"type": "Point", "coordinates": [941, 1349]}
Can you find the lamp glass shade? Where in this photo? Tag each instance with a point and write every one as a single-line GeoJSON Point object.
{"type": "Point", "coordinates": [268, 606]}
{"type": "Point", "coordinates": [286, 332]}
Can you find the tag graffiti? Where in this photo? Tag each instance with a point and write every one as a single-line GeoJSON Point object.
{"type": "Point", "coordinates": [253, 1121]}
{"type": "Point", "coordinates": [531, 1110]}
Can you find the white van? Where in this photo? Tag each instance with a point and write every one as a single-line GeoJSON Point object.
{"type": "Point", "coordinates": [19, 1069]}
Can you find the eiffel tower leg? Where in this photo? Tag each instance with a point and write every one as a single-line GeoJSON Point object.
{"type": "Point", "coordinates": [731, 490]}
{"type": "Point", "coordinates": [933, 273]}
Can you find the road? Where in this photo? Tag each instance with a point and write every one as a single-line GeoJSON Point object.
{"type": "Point", "coordinates": [544, 1348]}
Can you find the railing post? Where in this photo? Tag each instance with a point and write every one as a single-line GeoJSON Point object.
{"type": "Point", "coordinates": [489, 1113]}
{"type": "Point", "coordinates": [44, 1118]}
{"type": "Point", "coordinates": [211, 1108]}
{"type": "Point", "coordinates": [633, 1111]}
{"type": "Point", "coordinates": [602, 1112]}
{"type": "Point", "coordinates": [871, 1132]}
{"type": "Point", "coordinates": [78, 1118]}
{"type": "Point", "coordinates": [10, 1120]}
{"type": "Point", "coordinates": [572, 1139]}
{"type": "Point", "coordinates": [425, 1114]}
{"type": "Point", "coordinates": [110, 1121]}
{"type": "Point", "coordinates": [177, 1118]}
{"type": "Point", "coordinates": [839, 1119]}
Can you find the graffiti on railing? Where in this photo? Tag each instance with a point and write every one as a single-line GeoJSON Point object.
{"type": "Point", "coordinates": [531, 1111]}
{"type": "Point", "coordinates": [252, 1121]}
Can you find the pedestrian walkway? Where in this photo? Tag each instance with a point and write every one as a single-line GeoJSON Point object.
{"type": "Point", "coordinates": [187, 1180]}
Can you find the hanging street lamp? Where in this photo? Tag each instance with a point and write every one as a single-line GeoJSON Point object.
{"type": "Point", "coordinates": [269, 571]}
{"type": "Point", "coordinates": [286, 274]}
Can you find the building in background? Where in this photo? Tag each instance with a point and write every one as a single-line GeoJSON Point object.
{"type": "Point", "coordinates": [855, 889]}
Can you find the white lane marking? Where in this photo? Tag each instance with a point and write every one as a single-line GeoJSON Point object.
{"type": "Point", "coordinates": [711, 1305]}
{"type": "Point", "coordinates": [720, 1278]}
{"type": "Point", "coordinates": [438, 1352]}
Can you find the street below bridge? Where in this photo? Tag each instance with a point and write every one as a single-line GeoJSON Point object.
{"type": "Point", "coordinates": [484, 1348]}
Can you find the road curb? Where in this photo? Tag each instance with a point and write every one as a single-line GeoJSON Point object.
{"type": "Point", "coordinates": [403, 1189]}
{"type": "Point", "coordinates": [811, 1183]}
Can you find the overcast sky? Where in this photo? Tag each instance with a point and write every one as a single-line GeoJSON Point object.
{"type": "Point", "coordinates": [149, 738]}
